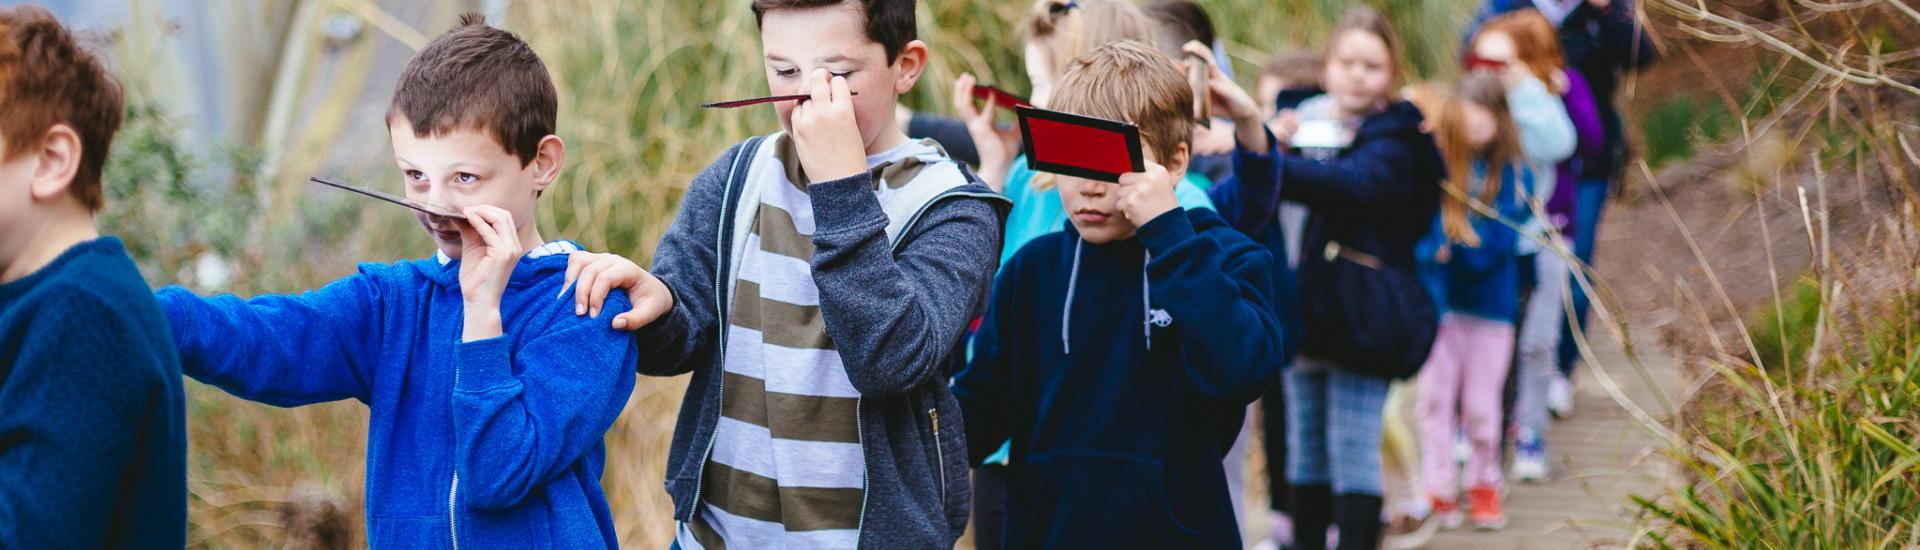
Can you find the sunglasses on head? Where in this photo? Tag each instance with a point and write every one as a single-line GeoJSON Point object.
{"type": "Point", "coordinates": [1477, 63]}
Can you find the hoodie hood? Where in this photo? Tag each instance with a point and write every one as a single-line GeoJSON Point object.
{"type": "Point", "coordinates": [1400, 119]}
{"type": "Point", "coordinates": [1073, 278]}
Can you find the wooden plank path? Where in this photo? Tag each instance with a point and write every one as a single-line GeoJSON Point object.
{"type": "Point", "coordinates": [1600, 456]}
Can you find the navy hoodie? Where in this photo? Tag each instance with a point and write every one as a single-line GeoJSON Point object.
{"type": "Point", "coordinates": [1249, 200]}
{"type": "Point", "coordinates": [1122, 371]}
{"type": "Point", "coordinates": [493, 443]}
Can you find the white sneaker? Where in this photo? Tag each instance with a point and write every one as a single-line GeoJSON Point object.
{"type": "Point", "coordinates": [1560, 397]}
{"type": "Point", "coordinates": [1529, 458]}
{"type": "Point", "coordinates": [1462, 448]}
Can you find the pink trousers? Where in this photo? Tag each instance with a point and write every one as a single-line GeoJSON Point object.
{"type": "Point", "coordinates": [1460, 388]}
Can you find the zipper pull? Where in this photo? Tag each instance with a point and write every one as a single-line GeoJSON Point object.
{"type": "Point", "coordinates": [934, 414]}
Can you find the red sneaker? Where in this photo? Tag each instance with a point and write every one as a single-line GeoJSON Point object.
{"type": "Point", "coordinates": [1447, 513]}
{"type": "Point", "coordinates": [1484, 508]}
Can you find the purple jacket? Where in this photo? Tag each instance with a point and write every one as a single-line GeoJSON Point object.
{"type": "Point", "coordinates": [1592, 148]}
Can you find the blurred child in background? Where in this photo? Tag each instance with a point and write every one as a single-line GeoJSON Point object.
{"type": "Point", "coordinates": [1538, 380]}
{"type": "Point", "coordinates": [1370, 199]}
{"type": "Point", "coordinates": [1479, 269]}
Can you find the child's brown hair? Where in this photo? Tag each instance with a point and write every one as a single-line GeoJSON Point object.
{"type": "Point", "coordinates": [476, 77]}
{"type": "Point", "coordinates": [46, 79]}
{"type": "Point", "coordinates": [889, 22]}
{"type": "Point", "coordinates": [1131, 82]}
{"type": "Point", "coordinates": [1297, 67]}
{"type": "Point", "coordinates": [1177, 22]}
{"type": "Point", "coordinates": [1450, 133]}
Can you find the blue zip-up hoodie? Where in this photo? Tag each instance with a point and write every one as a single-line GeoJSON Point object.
{"type": "Point", "coordinates": [494, 443]}
{"type": "Point", "coordinates": [1482, 281]}
{"type": "Point", "coordinates": [1122, 372]}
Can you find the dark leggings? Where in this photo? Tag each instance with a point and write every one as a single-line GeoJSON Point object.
{"type": "Point", "coordinates": [1273, 427]}
{"type": "Point", "coordinates": [989, 506]}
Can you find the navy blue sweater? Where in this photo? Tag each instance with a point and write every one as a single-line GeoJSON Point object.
{"type": "Point", "coordinates": [93, 441]}
{"type": "Point", "coordinates": [493, 443]}
{"type": "Point", "coordinates": [1120, 411]}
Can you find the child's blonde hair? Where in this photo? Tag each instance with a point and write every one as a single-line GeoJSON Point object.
{"type": "Point", "coordinates": [1068, 28]}
{"type": "Point", "coordinates": [1132, 82]}
{"type": "Point", "coordinates": [1450, 133]}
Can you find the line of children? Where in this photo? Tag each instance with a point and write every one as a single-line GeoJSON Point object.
{"type": "Point", "coordinates": [818, 284]}
{"type": "Point", "coordinates": [1600, 40]}
{"type": "Point", "coordinates": [92, 419]}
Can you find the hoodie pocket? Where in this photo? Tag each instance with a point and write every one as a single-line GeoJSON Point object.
{"type": "Point", "coordinates": [1117, 498]}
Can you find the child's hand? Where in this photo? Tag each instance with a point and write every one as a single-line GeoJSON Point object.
{"type": "Point", "coordinates": [824, 130]}
{"type": "Point", "coordinates": [489, 248]}
{"type": "Point", "coordinates": [1215, 140]}
{"type": "Point", "coordinates": [1228, 98]}
{"type": "Point", "coordinates": [1146, 195]}
{"type": "Point", "coordinates": [598, 274]}
{"type": "Point", "coordinates": [996, 146]}
{"type": "Point", "coordinates": [1283, 126]}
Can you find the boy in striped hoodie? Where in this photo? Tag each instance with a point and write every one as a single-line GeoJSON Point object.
{"type": "Point", "coordinates": [817, 284]}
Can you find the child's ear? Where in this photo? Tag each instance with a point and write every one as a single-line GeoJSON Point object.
{"type": "Point", "coordinates": [1177, 166]}
{"type": "Point", "coordinates": [547, 159]}
{"type": "Point", "coordinates": [908, 65]}
{"type": "Point", "coordinates": [59, 161]}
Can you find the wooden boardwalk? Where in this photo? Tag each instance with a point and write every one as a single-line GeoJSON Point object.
{"type": "Point", "coordinates": [1600, 456]}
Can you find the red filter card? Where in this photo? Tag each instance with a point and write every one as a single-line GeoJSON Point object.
{"type": "Point", "coordinates": [1080, 146]}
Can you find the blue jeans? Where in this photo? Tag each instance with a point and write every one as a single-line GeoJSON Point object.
{"type": "Point", "coordinates": [1589, 202]}
{"type": "Point", "coordinates": [1333, 427]}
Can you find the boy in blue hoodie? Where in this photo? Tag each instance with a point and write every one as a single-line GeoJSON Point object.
{"type": "Point", "coordinates": [92, 431]}
{"type": "Point", "coordinates": [489, 396]}
{"type": "Point", "coordinates": [1120, 354]}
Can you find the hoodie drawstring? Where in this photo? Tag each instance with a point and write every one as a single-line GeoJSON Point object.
{"type": "Point", "coordinates": [1073, 278]}
{"type": "Point", "coordinates": [1066, 313]}
{"type": "Point", "coordinates": [1146, 302]}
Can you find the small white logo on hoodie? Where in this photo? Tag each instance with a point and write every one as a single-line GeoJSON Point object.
{"type": "Point", "coordinates": [1159, 318]}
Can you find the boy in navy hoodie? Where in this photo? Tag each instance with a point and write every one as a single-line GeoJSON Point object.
{"type": "Point", "coordinates": [489, 396]}
{"type": "Point", "coordinates": [92, 432]}
{"type": "Point", "coordinates": [1120, 354]}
